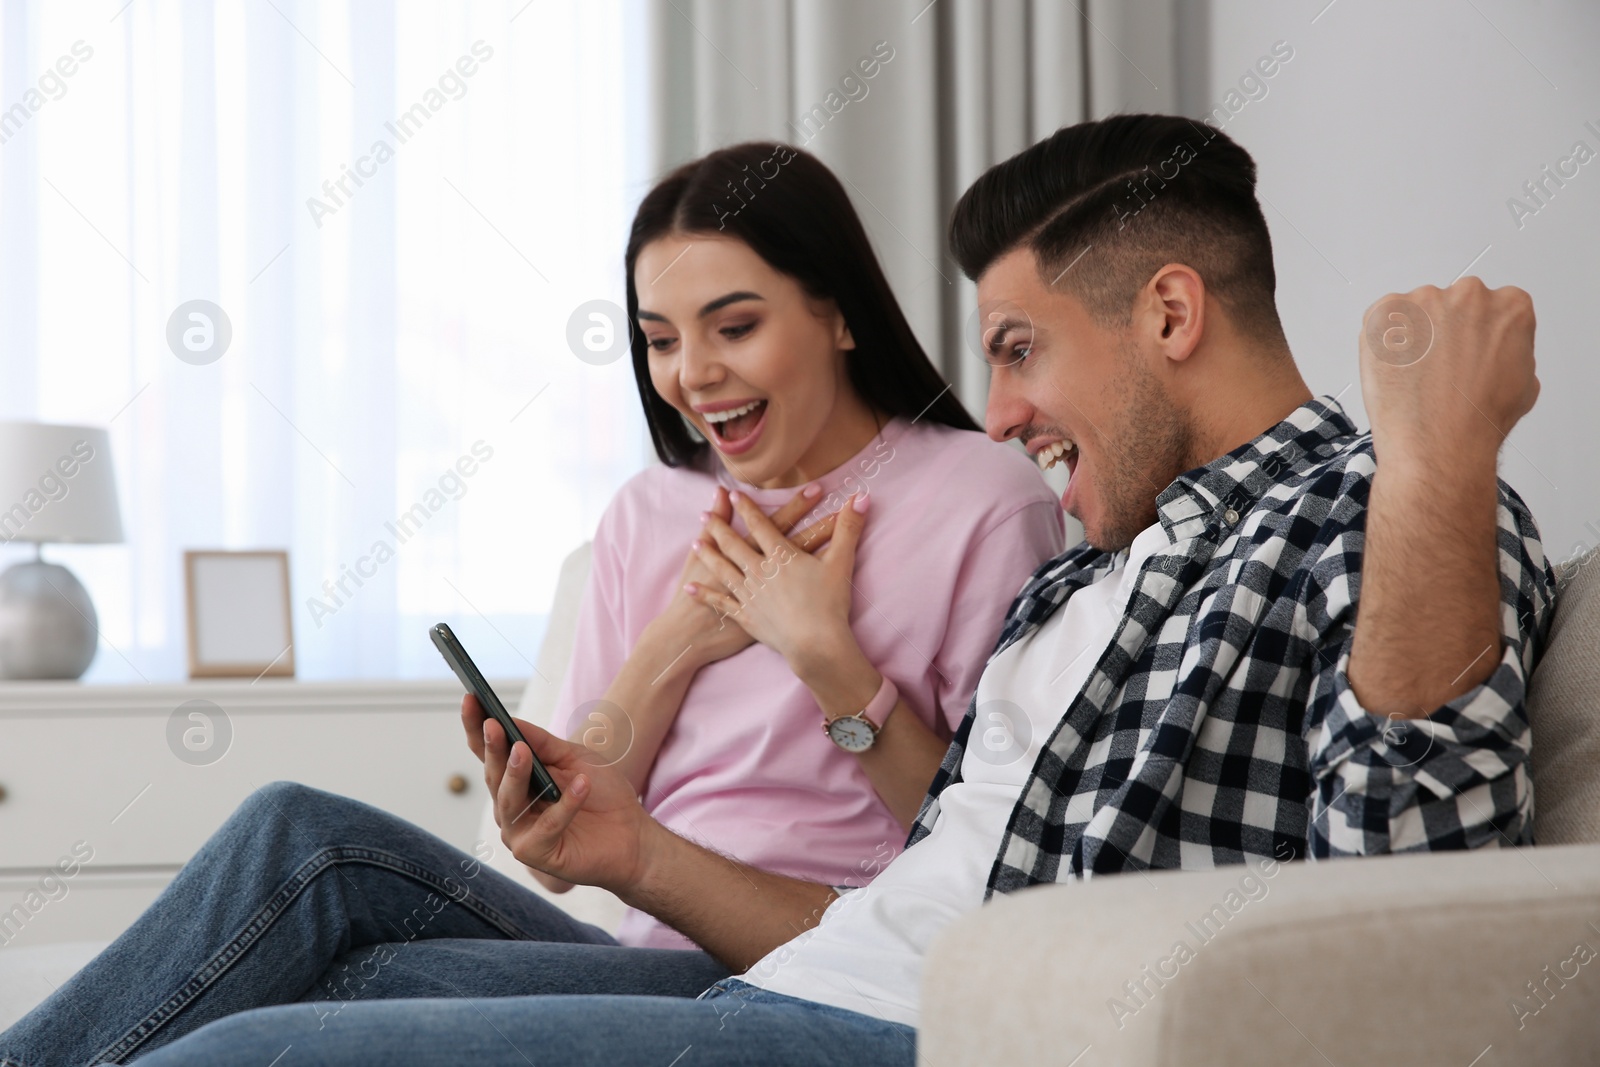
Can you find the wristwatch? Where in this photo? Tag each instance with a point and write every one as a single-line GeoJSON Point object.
{"type": "Point", "coordinates": [856, 733]}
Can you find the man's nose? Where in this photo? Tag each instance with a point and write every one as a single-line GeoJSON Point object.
{"type": "Point", "coordinates": [1008, 410]}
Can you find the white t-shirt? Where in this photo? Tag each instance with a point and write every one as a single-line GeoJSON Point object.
{"type": "Point", "coordinates": [866, 954]}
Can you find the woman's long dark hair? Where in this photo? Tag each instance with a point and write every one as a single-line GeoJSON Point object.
{"type": "Point", "coordinates": [794, 214]}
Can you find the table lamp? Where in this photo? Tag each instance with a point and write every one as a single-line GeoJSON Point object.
{"type": "Point", "coordinates": [56, 484]}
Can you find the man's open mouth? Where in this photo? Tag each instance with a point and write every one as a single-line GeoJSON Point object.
{"type": "Point", "coordinates": [1050, 455]}
{"type": "Point", "coordinates": [736, 424]}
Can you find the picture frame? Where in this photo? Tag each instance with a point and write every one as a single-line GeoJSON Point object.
{"type": "Point", "coordinates": [240, 621]}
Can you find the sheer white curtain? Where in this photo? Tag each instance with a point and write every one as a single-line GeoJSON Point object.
{"type": "Point", "coordinates": [398, 208]}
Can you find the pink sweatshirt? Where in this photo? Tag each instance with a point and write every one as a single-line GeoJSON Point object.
{"type": "Point", "coordinates": [957, 524]}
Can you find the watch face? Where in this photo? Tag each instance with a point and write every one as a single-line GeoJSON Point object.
{"type": "Point", "coordinates": [851, 734]}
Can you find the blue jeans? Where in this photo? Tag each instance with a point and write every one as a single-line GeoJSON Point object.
{"type": "Point", "coordinates": [314, 929]}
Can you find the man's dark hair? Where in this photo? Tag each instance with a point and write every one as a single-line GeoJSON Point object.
{"type": "Point", "coordinates": [1104, 205]}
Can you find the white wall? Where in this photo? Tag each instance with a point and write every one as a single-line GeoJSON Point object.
{"type": "Point", "coordinates": [1388, 148]}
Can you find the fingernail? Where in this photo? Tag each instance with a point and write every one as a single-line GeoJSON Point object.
{"type": "Point", "coordinates": [516, 755]}
{"type": "Point", "coordinates": [861, 504]}
{"type": "Point", "coordinates": [694, 546]}
{"type": "Point", "coordinates": [735, 496]}
{"type": "Point", "coordinates": [812, 491]}
{"type": "Point", "coordinates": [692, 589]}
{"type": "Point", "coordinates": [486, 729]}
{"type": "Point", "coordinates": [705, 517]}
{"type": "Point", "coordinates": [580, 786]}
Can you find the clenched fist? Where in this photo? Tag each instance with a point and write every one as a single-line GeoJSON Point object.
{"type": "Point", "coordinates": [1446, 373]}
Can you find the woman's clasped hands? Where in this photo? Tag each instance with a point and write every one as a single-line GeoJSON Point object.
{"type": "Point", "coordinates": [774, 588]}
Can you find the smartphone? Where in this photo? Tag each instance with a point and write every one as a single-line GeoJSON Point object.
{"type": "Point", "coordinates": [541, 786]}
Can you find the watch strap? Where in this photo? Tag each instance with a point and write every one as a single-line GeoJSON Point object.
{"type": "Point", "coordinates": [881, 704]}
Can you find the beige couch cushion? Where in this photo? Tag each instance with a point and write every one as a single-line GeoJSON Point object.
{"type": "Point", "coordinates": [1564, 708]}
{"type": "Point", "coordinates": [1416, 959]}
{"type": "Point", "coordinates": [585, 903]}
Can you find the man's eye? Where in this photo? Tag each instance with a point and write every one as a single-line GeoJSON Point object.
{"type": "Point", "coordinates": [1009, 355]}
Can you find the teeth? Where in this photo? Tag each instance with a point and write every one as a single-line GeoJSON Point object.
{"type": "Point", "coordinates": [1050, 455]}
{"type": "Point", "coordinates": [732, 413]}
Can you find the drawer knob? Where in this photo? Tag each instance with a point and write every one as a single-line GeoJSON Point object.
{"type": "Point", "coordinates": [457, 784]}
{"type": "Point", "coordinates": [2, 792]}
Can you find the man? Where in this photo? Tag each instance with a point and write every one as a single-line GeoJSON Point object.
{"type": "Point", "coordinates": [1192, 686]}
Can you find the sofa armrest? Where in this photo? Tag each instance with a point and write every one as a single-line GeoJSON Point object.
{"type": "Point", "coordinates": [29, 973]}
{"type": "Point", "coordinates": [1424, 959]}
{"type": "Point", "coordinates": [584, 903]}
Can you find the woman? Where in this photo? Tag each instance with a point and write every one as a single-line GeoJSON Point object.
{"type": "Point", "coordinates": [766, 327]}
{"type": "Point", "coordinates": [776, 370]}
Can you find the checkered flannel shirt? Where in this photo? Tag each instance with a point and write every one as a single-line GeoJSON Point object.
{"type": "Point", "coordinates": [1219, 723]}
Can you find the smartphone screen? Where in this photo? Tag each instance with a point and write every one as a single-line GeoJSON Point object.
{"type": "Point", "coordinates": [541, 786]}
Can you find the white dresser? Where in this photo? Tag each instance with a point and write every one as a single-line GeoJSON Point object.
{"type": "Point", "coordinates": [140, 775]}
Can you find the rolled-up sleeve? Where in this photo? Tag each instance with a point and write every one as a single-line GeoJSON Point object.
{"type": "Point", "coordinates": [1458, 778]}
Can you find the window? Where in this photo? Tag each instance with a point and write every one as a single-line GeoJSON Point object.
{"type": "Point", "coordinates": [397, 210]}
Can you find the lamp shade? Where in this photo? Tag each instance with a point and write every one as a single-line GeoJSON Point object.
{"type": "Point", "coordinates": [57, 484]}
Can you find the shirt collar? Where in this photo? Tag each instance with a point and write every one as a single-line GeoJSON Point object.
{"type": "Point", "coordinates": [1234, 482]}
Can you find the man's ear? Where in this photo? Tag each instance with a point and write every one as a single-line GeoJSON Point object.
{"type": "Point", "coordinates": [1176, 309]}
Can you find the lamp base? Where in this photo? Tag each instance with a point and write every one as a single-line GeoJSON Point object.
{"type": "Point", "coordinates": [48, 626]}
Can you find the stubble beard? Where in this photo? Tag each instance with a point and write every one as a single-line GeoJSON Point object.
{"type": "Point", "coordinates": [1150, 445]}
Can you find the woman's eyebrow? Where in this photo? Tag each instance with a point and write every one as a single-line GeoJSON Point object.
{"type": "Point", "coordinates": [732, 298]}
{"type": "Point", "coordinates": [716, 305]}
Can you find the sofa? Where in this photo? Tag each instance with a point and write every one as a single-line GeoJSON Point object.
{"type": "Point", "coordinates": [1475, 959]}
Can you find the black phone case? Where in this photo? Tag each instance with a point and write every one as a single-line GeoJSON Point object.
{"type": "Point", "coordinates": [541, 785]}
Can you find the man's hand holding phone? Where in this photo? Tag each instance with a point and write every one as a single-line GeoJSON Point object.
{"type": "Point", "coordinates": [599, 834]}
{"type": "Point", "coordinates": [596, 834]}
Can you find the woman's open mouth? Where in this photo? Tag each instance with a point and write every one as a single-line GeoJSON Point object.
{"type": "Point", "coordinates": [736, 430]}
